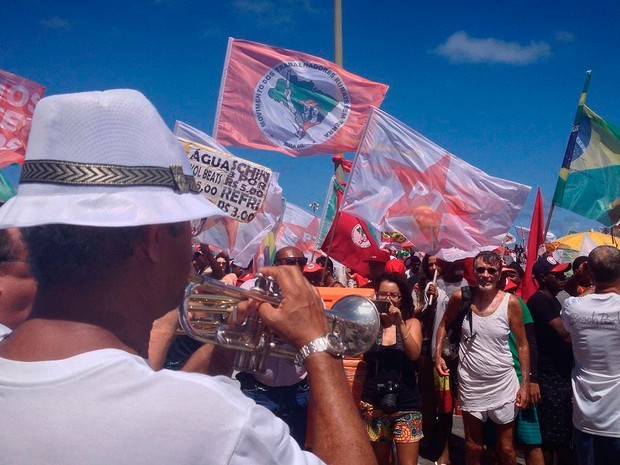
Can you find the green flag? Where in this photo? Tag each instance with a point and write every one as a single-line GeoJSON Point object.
{"type": "Point", "coordinates": [6, 190]}
{"type": "Point", "coordinates": [589, 182]}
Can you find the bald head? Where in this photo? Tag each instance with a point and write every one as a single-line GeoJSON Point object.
{"type": "Point", "coordinates": [290, 256]}
{"type": "Point", "coordinates": [604, 265]}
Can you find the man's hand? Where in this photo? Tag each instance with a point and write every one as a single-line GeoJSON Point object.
{"type": "Point", "coordinates": [441, 366]}
{"type": "Point", "coordinates": [431, 293]}
{"type": "Point", "coordinates": [300, 318]}
{"type": "Point", "coordinates": [534, 393]}
{"type": "Point", "coordinates": [523, 396]}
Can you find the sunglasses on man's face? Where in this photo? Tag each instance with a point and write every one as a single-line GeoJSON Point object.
{"type": "Point", "coordinates": [300, 261]}
{"type": "Point", "coordinates": [482, 269]}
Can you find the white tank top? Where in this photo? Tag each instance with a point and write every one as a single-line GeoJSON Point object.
{"type": "Point", "coordinates": [487, 378]}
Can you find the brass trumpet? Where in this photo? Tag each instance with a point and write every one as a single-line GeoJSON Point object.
{"type": "Point", "coordinates": [353, 319]}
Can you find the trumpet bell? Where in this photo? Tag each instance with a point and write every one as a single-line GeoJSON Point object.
{"type": "Point", "coordinates": [355, 320]}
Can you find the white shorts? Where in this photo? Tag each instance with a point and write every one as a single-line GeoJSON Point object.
{"type": "Point", "coordinates": [500, 416]}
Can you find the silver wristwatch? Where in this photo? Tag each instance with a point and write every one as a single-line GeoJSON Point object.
{"type": "Point", "coordinates": [329, 343]}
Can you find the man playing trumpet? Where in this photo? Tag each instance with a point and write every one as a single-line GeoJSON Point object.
{"type": "Point", "coordinates": [105, 180]}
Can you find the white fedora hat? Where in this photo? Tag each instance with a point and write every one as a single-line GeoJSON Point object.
{"type": "Point", "coordinates": [103, 159]}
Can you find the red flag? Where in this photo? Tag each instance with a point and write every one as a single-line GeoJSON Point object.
{"type": "Point", "coordinates": [277, 99]}
{"type": "Point", "coordinates": [352, 242]}
{"type": "Point", "coordinates": [535, 243]}
{"type": "Point", "coordinates": [18, 97]}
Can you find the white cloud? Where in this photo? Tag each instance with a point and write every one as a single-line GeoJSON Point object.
{"type": "Point", "coordinates": [460, 48]}
{"type": "Point", "coordinates": [55, 22]}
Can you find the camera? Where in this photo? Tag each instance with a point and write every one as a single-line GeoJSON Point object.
{"type": "Point", "coordinates": [387, 391]}
{"type": "Point", "coordinates": [383, 306]}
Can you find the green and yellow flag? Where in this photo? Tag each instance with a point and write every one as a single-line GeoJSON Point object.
{"type": "Point", "coordinates": [589, 181]}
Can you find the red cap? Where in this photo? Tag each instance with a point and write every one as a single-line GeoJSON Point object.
{"type": "Point", "coordinates": [395, 266]}
{"type": "Point", "coordinates": [312, 268]}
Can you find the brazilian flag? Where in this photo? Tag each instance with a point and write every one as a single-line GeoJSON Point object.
{"type": "Point", "coordinates": [589, 182]}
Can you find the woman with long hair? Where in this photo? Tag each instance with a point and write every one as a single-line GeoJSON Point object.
{"type": "Point", "coordinates": [391, 402]}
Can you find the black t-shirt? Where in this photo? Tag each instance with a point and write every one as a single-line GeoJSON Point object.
{"type": "Point", "coordinates": [555, 357]}
{"type": "Point", "coordinates": [390, 363]}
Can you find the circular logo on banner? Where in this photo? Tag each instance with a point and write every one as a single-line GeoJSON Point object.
{"type": "Point", "coordinates": [298, 104]}
{"type": "Point", "coordinates": [359, 238]}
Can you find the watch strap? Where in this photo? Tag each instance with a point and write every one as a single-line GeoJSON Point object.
{"type": "Point", "coordinates": [320, 344]}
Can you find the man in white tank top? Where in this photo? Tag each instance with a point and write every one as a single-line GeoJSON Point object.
{"type": "Point", "coordinates": [488, 387]}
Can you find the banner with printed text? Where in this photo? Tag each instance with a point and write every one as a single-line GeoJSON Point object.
{"type": "Point", "coordinates": [18, 97]}
{"type": "Point", "coordinates": [237, 186]}
{"type": "Point", "coordinates": [277, 99]}
{"type": "Point", "coordinates": [239, 239]}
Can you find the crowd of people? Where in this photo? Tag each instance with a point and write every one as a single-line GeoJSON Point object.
{"type": "Point", "coordinates": [93, 368]}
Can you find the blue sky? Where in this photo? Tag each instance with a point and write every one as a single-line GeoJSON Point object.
{"type": "Point", "coordinates": [494, 82]}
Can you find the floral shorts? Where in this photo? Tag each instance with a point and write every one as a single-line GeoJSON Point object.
{"type": "Point", "coordinates": [403, 427]}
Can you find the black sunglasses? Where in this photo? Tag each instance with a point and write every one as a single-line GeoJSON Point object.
{"type": "Point", "coordinates": [491, 271]}
{"type": "Point", "coordinates": [300, 261]}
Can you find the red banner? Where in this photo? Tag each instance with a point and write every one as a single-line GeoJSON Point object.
{"type": "Point", "coordinates": [18, 97]}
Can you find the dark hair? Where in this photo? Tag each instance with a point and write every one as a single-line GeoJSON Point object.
{"type": "Point", "coordinates": [326, 262]}
{"type": "Point", "coordinates": [68, 254]}
{"type": "Point", "coordinates": [515, 266]}
{"type": "Point", "coordinates": [406, 302]}
{"type": "Point", "coordinates": [578, 261]}
{"type": "Point", "coordinates": [424, 275]}
{"type": "Point", "coordinates": [604, 264]}
{"type": "Point", "coordinates": [7, 245]}
{"type": "Point", "coordinates": [490, 257]}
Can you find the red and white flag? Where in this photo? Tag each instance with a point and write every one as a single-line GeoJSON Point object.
{"type": "Point", "coordinates": [349, 240]}
{"type": "Point", "coordinates": [298, 228]}
{"type": "Point", "coordinates": [277, 99]}
{"type": "Point", "coordinates": [403, 182]}
{"type": "Point", "coordinates": [18, 97]}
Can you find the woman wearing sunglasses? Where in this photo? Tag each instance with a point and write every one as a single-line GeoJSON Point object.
{"type": "Point", "coordinates": [391, 400]}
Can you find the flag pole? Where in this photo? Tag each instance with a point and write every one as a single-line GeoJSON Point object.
{"type": "Point", "coordinates": [561, 184]}
{"type": "Point", "coordinates": [338, 169]}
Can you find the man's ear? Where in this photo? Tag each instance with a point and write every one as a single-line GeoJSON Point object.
{"type": "Point", "coordinates": [153, 240]}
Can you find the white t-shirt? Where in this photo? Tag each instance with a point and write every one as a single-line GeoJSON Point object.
{"type": "Point", "coordinates": [109, 407]}
{"type": "Point", "coordinates": [4, 331]}
{"type": "Point", "coordinates": [593, 322]}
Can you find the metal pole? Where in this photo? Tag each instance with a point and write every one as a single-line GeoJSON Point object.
{"type": "Point", "coordinates": [338, 169]}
